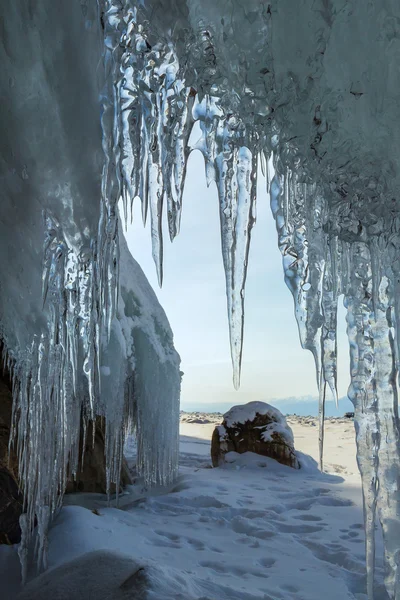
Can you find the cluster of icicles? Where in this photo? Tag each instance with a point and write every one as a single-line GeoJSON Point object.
{"type": "Point", "coordinates": [154, 116]}
{"type": "Point", "coordinates": [148, 115]}
{"type": "Point", "coordinates": [56, 390]}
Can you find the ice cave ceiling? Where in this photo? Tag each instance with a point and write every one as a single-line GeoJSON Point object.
{"type": "Point", "coordinates": [98, 104]}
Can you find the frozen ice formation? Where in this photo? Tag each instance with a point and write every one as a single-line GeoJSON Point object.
{"type": "Point", "coordinates": [84, 331]}
{"type": "Point", "coordinates": [307, 91]}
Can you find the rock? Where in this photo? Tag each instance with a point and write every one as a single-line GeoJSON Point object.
{"type": "Point", "coordinates": [10, 508]}
{"type": "Point", "coordinates": [109, 575]}
{"type": "Point", "coordinates": [92, 477]}
{"type": "Point", "coordinates": [10, 496]}
{"type": "Point", "coordinates": [102, 574]}
{"type": "Point", "coordinates": [9, 462]}
{"type": "Point", "coordinates": [254, 427]}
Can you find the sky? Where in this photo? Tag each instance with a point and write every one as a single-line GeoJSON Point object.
{"type": "Point", "coordinates": [274, 367]}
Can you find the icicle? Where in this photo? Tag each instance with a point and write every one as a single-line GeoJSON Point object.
{"type": "Point", "coordinates": [321, 419]}
{"type": "Point", "coordinates": [156, 193]}
{"type": "Point", "coordinates": [363, 396]}
{"type": "Point", "coordinates": [300, 212]}
{"type": "Point", "coordinates": [389, 448]}
{"type": "Point", "coordinates": [23, 548]}
{"type": "Point", "coordinates": [154, 111]}
{"type": "Point", "coordinates": [182, 152]}
{"type": "Point", "coordinates": [47, 407]}
{"type": "Point", "coordinates": [362, 392]}
{"type": "Point", "coordinates": [235, 173]}
{"type": "Point", "coordinates": [318, 267]}
{"type": "Point", "coordinates": [208, 113]}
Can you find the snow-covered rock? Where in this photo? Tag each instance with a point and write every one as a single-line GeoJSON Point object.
{"type": "Point", "coordinates": [254, 427]}
{"type": "Point", "coordinates": [103, 575]}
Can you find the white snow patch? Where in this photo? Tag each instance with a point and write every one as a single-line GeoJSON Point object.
{"type": "Point", "coordinates": [283, 430]}
{"type": "Point", "coordinates": [251, 530]}
{"type": "Point", "coordinates": [247, 412]}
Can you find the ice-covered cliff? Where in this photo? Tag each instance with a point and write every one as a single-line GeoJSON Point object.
{"type": "Point", "coordinates": [308, 90]}
{"type": "Point", "coordinates": [84, 332]}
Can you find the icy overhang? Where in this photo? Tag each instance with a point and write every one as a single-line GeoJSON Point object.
{"type": "Point", "coordinates": [307, 89]}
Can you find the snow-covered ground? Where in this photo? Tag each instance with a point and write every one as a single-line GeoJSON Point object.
{"type": "Point", "coordinates": [254, 529]}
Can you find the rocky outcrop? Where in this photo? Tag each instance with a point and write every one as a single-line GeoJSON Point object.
{"type": "Point", "coordinates": [254, 427]}
{"type": "Point", "coordinates": [91, 476]}
{"type": "Point", "coordinates": [103, 575]}
{"type": "Point", "coordinates": [10, 496]}
{"type": "Point", "coordinates": [10, 508]}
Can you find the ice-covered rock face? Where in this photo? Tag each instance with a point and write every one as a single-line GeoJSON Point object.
{"type": "Point", "coordinates": [44, 164]}
{"type": "Point", "coordinates": [51, 162]}
{"type": "Point", "coordinates": [308, 90]}
{"type": "Point", "coordinates": [83, 330]}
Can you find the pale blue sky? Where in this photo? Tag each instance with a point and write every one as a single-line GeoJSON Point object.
{"type": "Point", "coordinates": [193, 296]}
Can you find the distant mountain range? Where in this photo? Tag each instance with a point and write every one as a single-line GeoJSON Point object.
{"type": "Point", "coordinates": [304, 406]}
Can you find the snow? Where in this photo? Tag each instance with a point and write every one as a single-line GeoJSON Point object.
{"type": "Point", "coordinates": [247, 412]}
{"type": "Point", "coordinates": [251, 530]}
{"type": "Point", "coordinates": [281, 429]}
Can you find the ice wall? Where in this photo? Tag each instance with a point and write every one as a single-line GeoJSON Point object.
{"type": "Point", "coordinates": [84, 332]}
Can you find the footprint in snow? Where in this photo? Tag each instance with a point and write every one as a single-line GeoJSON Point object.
{"type": "Point", "coordinates": [164, 544]}
{"type": "Point", "coordinates": [170, 536]}
{"type": "Point", "coordinates": [349, 535]}
{"type": "Point", "coordinates": [357, 526]}
{"type": "Point", "coordinates": [245, 502]}
{"type": "Point", "coordinates": [277, 489]}
{"type": "Point", "coordinates": [335, 554]}
{"type": "Point", "coordinates": [333, 501]}
{"type": "Point", "coordinates": [166, 539]}
{"type": "Point", "coordinates": [305, 493]}
{"type": "Point", "coordinates": [307, 518]}
{"type": "Point", "coordinates": [217, 550]}
{"type": "Point", "coordinates": [308, 503]}
{"type": "Point", "coordinates": [197, 544]}
{"type": "Point", "coordinates": [222, 568]}
{"type": "Point", "coordinates": [245, 527]}
{"type": "Point", "coordinates": [267, 562]}
{"type": "Point", "coordinates": [287, 587]}
{"type": "Point", "coordinates": [288, 528]}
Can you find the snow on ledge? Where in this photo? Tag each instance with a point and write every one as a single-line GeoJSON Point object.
{"type": "Point", "coordinates": [247, 412]}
